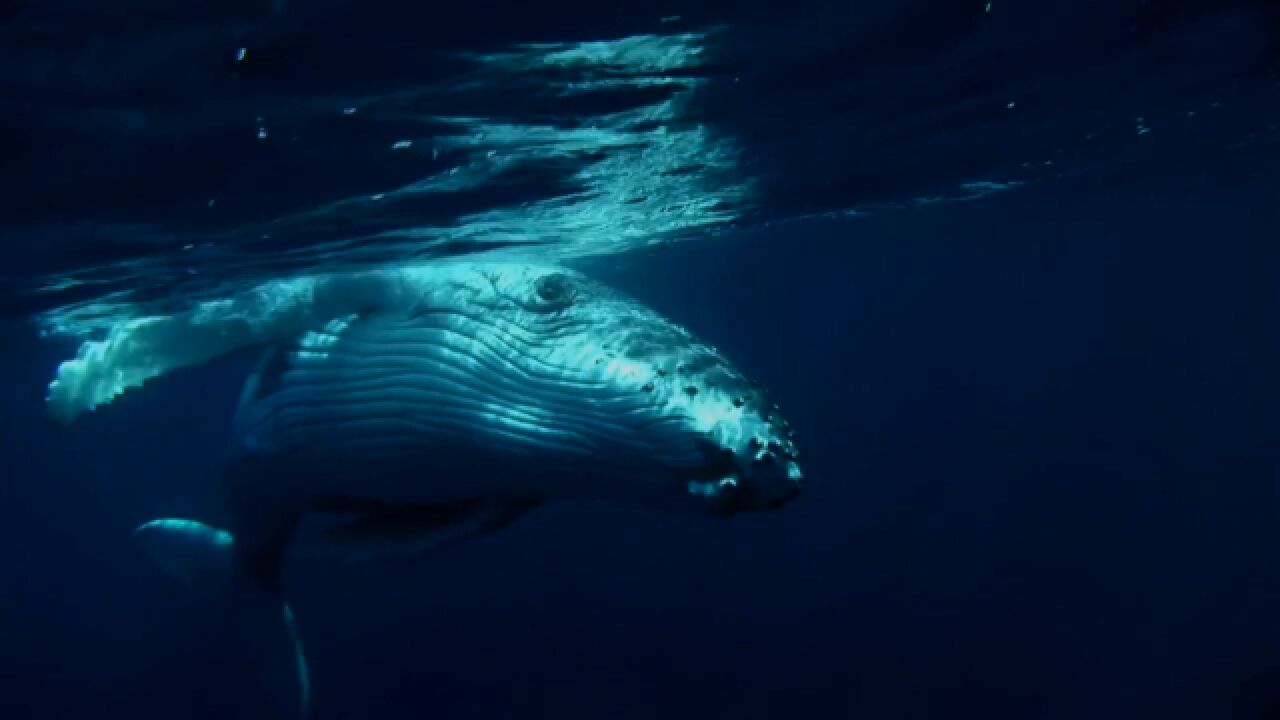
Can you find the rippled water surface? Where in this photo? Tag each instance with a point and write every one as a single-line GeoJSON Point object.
{"type": "Point", "coordinates": [166, 153]}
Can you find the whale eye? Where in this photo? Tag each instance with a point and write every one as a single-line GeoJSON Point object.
{"type": "Point", "coordinates": [555, 291]}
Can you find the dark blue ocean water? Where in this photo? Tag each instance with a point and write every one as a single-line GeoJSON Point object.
{"type": "Point", "coordinates": [1030, 351]}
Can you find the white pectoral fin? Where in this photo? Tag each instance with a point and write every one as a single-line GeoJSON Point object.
{"type": "Point", "coordinates": [138, 349]}
{"type": "Point", "coordinates": [402, 534]}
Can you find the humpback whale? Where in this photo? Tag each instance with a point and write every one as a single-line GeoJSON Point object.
{"type": "Point", "coordinates": [416, 408]}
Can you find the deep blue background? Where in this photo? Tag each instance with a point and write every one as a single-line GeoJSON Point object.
{"type": "Point", "coordinates": [1041, 437]}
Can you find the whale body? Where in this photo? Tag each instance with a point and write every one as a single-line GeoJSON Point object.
{"type": "Point", "coordinates": [417, 408]}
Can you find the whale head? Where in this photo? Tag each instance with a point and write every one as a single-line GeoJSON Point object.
{"type": "Point", "coordinates": [532, 378]}
{"type": "Point", "coordinates": [667, 419]}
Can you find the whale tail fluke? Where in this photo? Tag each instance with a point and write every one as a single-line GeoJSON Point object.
{"type": "Point", "coordinates": [206, 558]}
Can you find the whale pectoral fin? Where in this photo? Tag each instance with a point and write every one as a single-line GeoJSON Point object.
{"type": "Point", "coordinates": [400, 534]}
{"type": "Point", "coordinates": [189, 551]}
